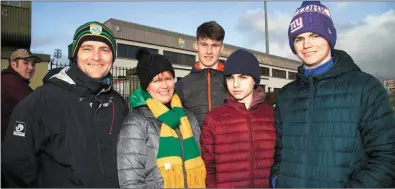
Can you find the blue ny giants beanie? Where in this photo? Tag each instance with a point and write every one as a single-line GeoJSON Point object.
{"type": "Point", "coordinates": [312, 17]}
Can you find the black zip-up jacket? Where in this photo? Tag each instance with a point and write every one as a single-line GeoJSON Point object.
{"type": "Point", "coordinates": [64, 134]}
{"type": "Point", "coordinates": [202, 90]}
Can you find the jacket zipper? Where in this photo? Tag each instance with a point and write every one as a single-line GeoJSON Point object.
{"type": "Point", "coordinates": [209, 89]}
{"type": "Point", "coordinates": [113, 115]}
{"type": "Point", "coordinates": [97, 138]}
{"type": "Point", "coordinates": [311, 106]}
{"type": "Point", "coordinates": [251, 150]}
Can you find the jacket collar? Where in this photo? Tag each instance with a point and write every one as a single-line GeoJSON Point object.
{"type": "Point", "coordinates": [343, 64]}
{"type": "Point", "coordinates": [321, 69]}
{"type": "Point", "coordinates": [258, 97]}
{"type": "Point", "coordinates": [77, 79]}
{"type": "Point", "coordinates": [196, 67]}
{"type": "Point", "coordinates": [9, 70]}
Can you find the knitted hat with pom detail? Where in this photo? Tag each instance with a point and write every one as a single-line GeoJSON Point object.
{"type": "Point", "coordinates": [149, 65]}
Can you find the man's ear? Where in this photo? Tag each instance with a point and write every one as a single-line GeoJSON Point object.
{"type": "Point", "coordinates": [14, 64]}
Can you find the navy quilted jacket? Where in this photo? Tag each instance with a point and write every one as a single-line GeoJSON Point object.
{"type": "Point", "coordinates": [334, 130]}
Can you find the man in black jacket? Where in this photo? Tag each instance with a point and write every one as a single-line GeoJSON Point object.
{"type": "Point", "coordinates": [65, 133]}
{"type": "Point", "coordinates": [335, 125]}
{"type": "Point", "coordinates": [204, 88]}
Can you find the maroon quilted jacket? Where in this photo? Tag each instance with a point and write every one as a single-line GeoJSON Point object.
{"type": "Point", "coordinates": [238, 144]}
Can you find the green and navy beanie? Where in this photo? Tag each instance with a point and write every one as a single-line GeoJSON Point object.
{"type": "Point", "coordinates": [93, 31]}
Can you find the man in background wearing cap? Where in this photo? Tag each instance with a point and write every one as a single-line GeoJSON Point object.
{"type": "Point", "coordinates": [15, 83]}
{"type": "Point", "coordinates": [335, 125]}
{"type": "Point", "coordinates": [65, 133]}
{"type": "Point", "coordinates": [238, 138]}
{"type": "Point", "coordinates": [203, 88]}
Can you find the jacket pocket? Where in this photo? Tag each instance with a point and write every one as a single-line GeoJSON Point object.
{"type": "Point", "coordinates": [359, 160]}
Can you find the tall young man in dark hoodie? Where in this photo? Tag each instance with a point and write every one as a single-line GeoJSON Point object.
{"type": "Point", "coordinates": [335, 125]}
{"type": "Point", "coordinates": [238, 138]}
{"type": "Point", "coordinates": [202, 90]}
{"type": "Point", "coordinates": [65, 133]}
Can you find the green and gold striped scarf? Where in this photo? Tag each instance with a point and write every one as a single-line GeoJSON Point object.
{"type": "Point", "coordinates": [169, 159]}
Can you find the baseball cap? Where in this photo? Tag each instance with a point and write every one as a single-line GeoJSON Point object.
{"type": "Point", "coordinates": [23, 54]}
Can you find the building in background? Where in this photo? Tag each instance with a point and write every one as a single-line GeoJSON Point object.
{"type": "Point", "coordinates": [178, 48]}
{"type": "Point", "coordinates": [16, 18]}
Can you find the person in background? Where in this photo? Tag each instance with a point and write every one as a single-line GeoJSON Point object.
{"type": "Point", "coordinates": [15, 86]}
{"type": "Point", "coordinates": [15, 83]}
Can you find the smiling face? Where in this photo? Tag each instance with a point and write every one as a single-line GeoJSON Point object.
{"type": "Point", "coordinates": [208, 51]}
{"type": "Point", "coordinates": [25, 67]}
{"type": "Point", "coordinates": [312, 49]}
{"type": "Point", "coordinates": [94, 58]}
{"type": "Point", "coordinates": [161, 87]}
{"type": "Point", "coordinates": [241, 87]}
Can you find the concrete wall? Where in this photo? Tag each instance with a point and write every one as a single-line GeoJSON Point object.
{"type": "Point", "coordinates": [4, 63]}
{"type": "Point", "coordinates": [272, 82]}
{"type": "Point", "coordinates": [41, 71]}
{"type": "Point", "coordinates": [125, 63]}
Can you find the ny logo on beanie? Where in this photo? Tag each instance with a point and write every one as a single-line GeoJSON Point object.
{"type": "Point", "coordinates": [296, 24]}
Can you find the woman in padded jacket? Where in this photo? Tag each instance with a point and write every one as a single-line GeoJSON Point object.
{"type": "Point", "coordinates": [158, 145]}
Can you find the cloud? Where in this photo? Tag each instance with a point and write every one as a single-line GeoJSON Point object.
{"type": "Point", "coordinates": [369, 41]}
{"type": "Point", "coordinates": [371, 44]}
{"type": "Point", "coordinates": [252, 24]}
{"type": "Point", "coordinates": [342, 5]}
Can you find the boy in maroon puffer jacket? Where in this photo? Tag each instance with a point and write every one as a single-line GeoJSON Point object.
{"type": "Point", "coordinates": [238, 138]}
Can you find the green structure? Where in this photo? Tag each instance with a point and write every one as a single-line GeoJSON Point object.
{"type": "Point", "coordinates": [16, 24]}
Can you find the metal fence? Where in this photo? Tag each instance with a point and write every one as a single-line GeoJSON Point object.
{"type": "Point", "coordinates": [124, 80]}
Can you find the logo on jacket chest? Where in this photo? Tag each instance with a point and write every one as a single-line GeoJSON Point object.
{"type": "Point", "coordinates": [105, 104]}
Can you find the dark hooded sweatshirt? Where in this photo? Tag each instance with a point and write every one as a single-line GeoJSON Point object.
{"type": "Point", "coordinates": [65, 134]}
